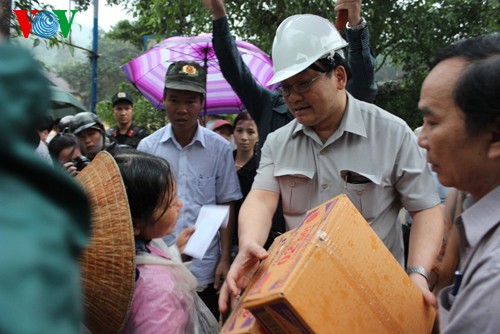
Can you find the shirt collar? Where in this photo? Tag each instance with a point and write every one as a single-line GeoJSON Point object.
{"type": "Point", "coordinates": [479, 217]}
{"type": "Point", "coordinates": [168, 134]}
{"type": "Point", "coordinates": [351, 122]}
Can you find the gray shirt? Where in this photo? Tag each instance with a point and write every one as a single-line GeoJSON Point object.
{"type": "Point", "coordinates": [372, 157]}
{"type": "Point", "coordinates": [475, 307]}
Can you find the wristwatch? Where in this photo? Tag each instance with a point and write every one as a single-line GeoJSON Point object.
{"type": "Point", "coordinates": [360, 25]}
{"type": "Point", "coordinates": [418, 270]}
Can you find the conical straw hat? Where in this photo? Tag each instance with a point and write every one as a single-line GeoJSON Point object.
{"type": "Point", "coordinates": [108, 264]}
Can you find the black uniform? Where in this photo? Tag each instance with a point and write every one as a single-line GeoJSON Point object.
{"type": "Point", "coordinates": [131, 138]}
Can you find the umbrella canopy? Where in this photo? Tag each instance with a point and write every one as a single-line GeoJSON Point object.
{"type": "Point", "coordinates": [63, 103]}
{"type": "Point", "coordinates": [147, 72]}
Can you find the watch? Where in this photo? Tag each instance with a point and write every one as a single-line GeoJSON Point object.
{"type": "Point", "coordinates": [361, 25]}
{"type": "Point", "coordinates": [418, 270]}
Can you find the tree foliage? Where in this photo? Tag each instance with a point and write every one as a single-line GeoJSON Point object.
{"type": "Point", "coordinates": [110, 79]}
{"type": "Point", "coordinates": [406, 31]}
{"type": "Point", "coordinates": [112, 54]}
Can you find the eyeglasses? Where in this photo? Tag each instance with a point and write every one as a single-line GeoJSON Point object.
{"type": "Point", "coordinates": [299, 88]}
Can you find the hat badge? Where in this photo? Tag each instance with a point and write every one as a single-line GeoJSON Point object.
{"type": "Point", "coordinates": [121, 95]}
{"type": "Point", "coordinates": [189, 70]}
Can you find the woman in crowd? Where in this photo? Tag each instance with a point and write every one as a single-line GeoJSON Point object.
{"type": "Point", "coordinates": [246, 161]}
{"type": "Point", "coordinates": [67, 150]}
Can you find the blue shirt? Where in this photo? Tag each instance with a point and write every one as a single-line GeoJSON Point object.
{"type": "Point", "coordinates": [205, 174]}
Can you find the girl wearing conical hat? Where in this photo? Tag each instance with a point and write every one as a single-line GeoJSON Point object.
{"type": "Point", "coordinates": [132, 281]}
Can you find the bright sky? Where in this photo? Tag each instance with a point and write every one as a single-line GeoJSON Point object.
{"type": "Point", "coordinates": [107, 15]}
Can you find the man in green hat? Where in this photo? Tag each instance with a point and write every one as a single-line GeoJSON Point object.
{"type": "Point", "coordinates": [204, 169]}
{"type": "Point", "coordinates": [125, 132]}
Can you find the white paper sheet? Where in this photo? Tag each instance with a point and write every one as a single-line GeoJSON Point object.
{"type": "Point", "coordinates": [210, 219]}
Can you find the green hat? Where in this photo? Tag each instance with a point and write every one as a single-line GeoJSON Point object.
{"type": "Point", "coordinates": [183, 75]}
{"type": "Point", "coordinates": [121, 96]}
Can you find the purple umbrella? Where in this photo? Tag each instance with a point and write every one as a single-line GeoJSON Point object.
{"type": "Point", "coordinates": [147, 72]}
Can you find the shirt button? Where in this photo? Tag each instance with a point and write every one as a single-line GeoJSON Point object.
{"type": "Point", "coordinates": [322, 152]}
{"type": "Point", "coordinates": [324, 186]}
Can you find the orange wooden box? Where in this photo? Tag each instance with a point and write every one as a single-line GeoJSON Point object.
{"type": "Point", "coordinates": [334, 275]}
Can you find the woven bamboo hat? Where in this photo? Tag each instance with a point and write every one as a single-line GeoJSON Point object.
{"type": "Point", "coordinates": [108, 264]}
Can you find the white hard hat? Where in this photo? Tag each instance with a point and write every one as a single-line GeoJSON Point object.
{"type": "Point", "coordinates": [301, 40]}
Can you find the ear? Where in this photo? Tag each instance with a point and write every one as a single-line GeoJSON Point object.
{"type": "Point", "coordinates": [341, 75]}
{"type": "Point", "coordinates": [494, 150]}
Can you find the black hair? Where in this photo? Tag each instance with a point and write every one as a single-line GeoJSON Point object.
{"type": "Point", "coordinates": [477, 91]}
{"type": "Point", "coordinates": [148, 180]}
{"type": "Point", "coordinates": [328, 64]}
{"type": "Point", "coordinates": [243, 116]}
{"type": "Point", "coordinates": [45, 123]}
{"type": "Point", "coordinates": [60, 142]}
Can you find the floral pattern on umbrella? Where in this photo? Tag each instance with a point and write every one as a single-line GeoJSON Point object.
{"type": "Point", "coordinates": [147, 72]}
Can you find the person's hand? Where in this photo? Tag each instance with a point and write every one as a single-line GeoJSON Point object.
{"type": "Point", "coordinates": [70, 168]}
{"type": "Point", "coordinates": [353, 8]}
{"type": "Point", "coordinates": [221, 273]}
{"type": "Point", "coordinates": [241, 272]}
{"type": "Point", "coordinates": [216, 8]}
{"type": "Point", "coordinates": [422, 284]}
{"type": "Point", "coordinates": [183, 238]}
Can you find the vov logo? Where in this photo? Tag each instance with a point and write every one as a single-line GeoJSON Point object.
{"type": "Point", "coordinates": [44, 23]}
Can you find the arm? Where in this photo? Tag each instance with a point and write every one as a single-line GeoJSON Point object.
{"type": "Point", "coordinates": [256, 216]}
{"type": "Point", "coordinates": [233, 68]}
{"type": "Point", "coordinates": [361, 60]}
{"type": "Point", "coordinates": [226, 237]}
{"type": "Point", "coordinates": [254, 222]}
{"type": "Point", "coordinates": [425, 242]}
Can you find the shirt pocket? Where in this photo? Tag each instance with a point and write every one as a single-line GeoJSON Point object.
{"type": "Point", "coordinates": [296, 187]}
{"type": "Point", "coordinates": [364, 191]}
{"type": "Point", "coordinates": [204, 188]}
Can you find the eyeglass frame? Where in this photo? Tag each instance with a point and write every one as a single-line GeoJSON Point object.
{"type": "Point", "coordinates": [307, 84]}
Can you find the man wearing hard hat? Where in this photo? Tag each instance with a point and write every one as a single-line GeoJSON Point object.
{"type": "Point", "coordinates": [336, 144]}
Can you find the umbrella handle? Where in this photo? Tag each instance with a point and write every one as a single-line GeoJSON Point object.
{"type": "Point", "coordinates": [341, 19]}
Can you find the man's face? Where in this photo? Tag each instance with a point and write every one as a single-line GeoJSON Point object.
{"type": "Point", "coordinates": [183, 108]}
{"type": "Point", "coordinates": [92, 141]}
{"type": "Point", "coordinates": [453, 154]}
{"type": "Point", "coordinates": [123, 112]}
{"type": "Point", "coordinates": [320, 103]}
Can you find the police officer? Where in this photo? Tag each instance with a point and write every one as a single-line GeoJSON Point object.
{"type": "Point", "coordinates": [125, 132]}
{"type": "Point", "coordinates": [89, 129]}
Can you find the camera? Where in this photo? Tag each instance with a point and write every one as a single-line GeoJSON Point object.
{"type": "Point", "coordinates": [81, 162]}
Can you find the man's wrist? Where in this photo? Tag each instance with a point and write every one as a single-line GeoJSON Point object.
{"type": "Point", "coordinates": [361, 25]}
{"type": "Point", "coordinates": [418, 270]}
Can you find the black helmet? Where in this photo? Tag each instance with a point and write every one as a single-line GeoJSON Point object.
{"type": "Point", "coordinates": [85, 120]}
{"type": "Point", "coordinates": [63, 124]}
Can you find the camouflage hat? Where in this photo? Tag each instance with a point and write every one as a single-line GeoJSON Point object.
{"type": "Point", "coordinates": [183, 75]}
{"type": "Point", "coordinates": [122, 96]}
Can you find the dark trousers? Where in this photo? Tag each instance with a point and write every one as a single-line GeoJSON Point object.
{"type": "Point", "coordinates": [211, 298]}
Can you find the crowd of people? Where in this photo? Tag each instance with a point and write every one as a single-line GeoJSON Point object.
{"type": "Point", "coordinates": [316, 136]}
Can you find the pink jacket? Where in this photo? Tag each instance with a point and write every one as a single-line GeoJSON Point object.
{"type": "Point", "coordinates": [163, 300]}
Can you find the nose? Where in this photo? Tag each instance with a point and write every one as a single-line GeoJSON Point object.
{"type": "Point", "coordinates": [294, 96]}
{"type": "Point", "coordinates": [423, 139]}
